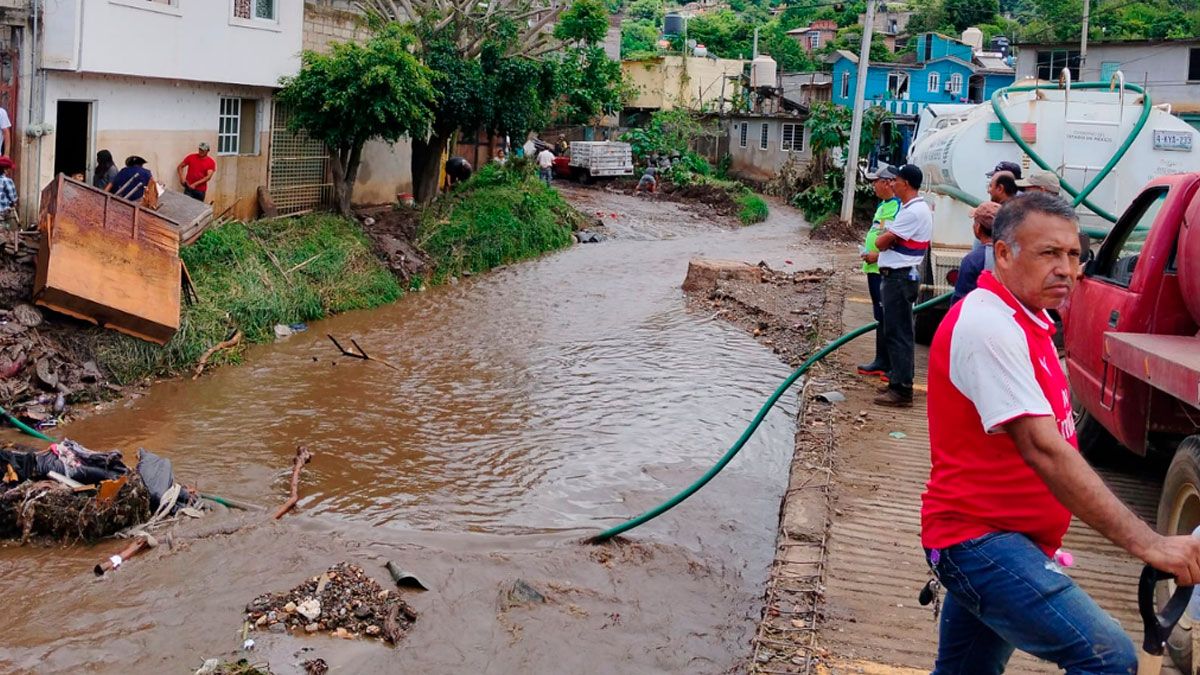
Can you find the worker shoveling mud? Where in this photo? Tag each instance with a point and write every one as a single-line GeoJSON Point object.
{"type": "Point", "coordinates": [343, 601]}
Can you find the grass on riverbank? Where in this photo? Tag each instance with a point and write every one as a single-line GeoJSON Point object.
{"type": "Point", "coordinates": [251, 276]}
{"type": "Point", "coordinates": [500, 216]}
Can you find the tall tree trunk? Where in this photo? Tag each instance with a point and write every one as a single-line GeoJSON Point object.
{"type": "Point", "coordinates": [339, 158]}
{"type": "Point", "coordinates": [427, 166]}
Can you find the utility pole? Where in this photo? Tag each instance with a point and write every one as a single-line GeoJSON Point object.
{"type": "Point", "coordinates": [860, 95]}
{"type": "Point", "coordinates": [1083, 36]}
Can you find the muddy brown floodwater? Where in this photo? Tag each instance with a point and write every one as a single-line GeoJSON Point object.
{"type": "Point", "coordinates": [534, 405]}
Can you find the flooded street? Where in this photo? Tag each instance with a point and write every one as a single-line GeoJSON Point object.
{"type": "Point", "coordinates": [533, 406]}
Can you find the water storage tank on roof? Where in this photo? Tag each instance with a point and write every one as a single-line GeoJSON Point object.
{"type": "Point", "coordinates": [762, 71]}
{"type": "Point", "coordinates": [673, 24]}
{"type": "Point", "coordinates": [974, 37]}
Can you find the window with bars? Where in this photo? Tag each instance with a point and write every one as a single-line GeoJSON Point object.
{"type": "Point", "coordinates": [792, 138]}
{"type": "Point", "coordinates": [237, 127]}
{"type": "Point", "coordinates": [254, 9]}
{"type": "Point", "coordinates": [956, 84]}
{"type": "Point", "coordinates": [764, 136]}
{"type": "Point", "coordinates": [934, 84]}
{"type": "Point", "coordinates": [745, 131]}
{"type": "Point", "coordinates": [845, 85]}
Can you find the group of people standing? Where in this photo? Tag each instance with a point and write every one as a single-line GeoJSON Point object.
{"type": "Point", "coordinates": [195, 172]}
{"type": "Point", "coordinates": [895, 247]}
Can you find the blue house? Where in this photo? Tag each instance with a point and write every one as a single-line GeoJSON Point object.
{"type": "Point", "coordinates": [940, 70]}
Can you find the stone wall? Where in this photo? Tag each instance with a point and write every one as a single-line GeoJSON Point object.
{"type": "Point", "coordinates": [328, 21]}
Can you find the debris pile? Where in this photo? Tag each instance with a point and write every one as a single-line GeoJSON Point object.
{"type": "Point", "coordinates": [46, 361]}
{"type": "Point", "coordinates": [68, 493]}
{"type": "Point", "coordinates": [393, 235]}
{"type": "Point", "coordinates": [343, 601]}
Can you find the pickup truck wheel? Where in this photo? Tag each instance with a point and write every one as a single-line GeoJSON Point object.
{"type": "Point", "coordinates": [1179, 513]}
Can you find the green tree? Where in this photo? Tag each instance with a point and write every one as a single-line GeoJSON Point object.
{"type": "Point", "coordinates": [499, 65]}
{"type": "Point", "coordinates": [724, 33]}
{"type": "Point", "coordinates": [585, 22]}
{"type": "Point", "coordinates": [646, 10]}
{"type": "Point", "coordinates": [358, 93]}
{"type": "Point", "coordinates": [639, 38]}
{"type": "Point", "coordinates": [785, 49]}
{"type": "Point", "coordinates": [965, 13]}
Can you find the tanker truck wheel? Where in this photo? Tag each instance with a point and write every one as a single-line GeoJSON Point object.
{"type": "Point", "coordinates": [1179, 513]}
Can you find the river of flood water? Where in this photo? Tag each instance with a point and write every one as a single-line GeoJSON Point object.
{"type": "Point", "coordinates": [531, 407]}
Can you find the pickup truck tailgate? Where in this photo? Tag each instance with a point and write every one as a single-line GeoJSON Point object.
{"type": "Point", "coordinates": [1170, 363]}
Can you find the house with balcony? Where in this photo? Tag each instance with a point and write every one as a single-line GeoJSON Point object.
{"type": "Point", "coordinates": [940, 70]}
{"type": "Point", "coordinates": [157, 77]}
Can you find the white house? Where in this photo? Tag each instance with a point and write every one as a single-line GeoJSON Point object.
{"type": "Point", "coordinates": [155, 78]}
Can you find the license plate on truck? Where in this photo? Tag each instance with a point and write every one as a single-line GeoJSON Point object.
{"type": "Point", "coordinates": [1172, 140]}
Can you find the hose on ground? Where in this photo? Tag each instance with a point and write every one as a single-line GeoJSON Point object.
{"type": "Point", "coordinates": [26, 428]}
{"type": "Point", "coordinates": [754, 424]}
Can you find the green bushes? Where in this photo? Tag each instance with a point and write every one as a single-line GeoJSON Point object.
{"type": "Point", "coordinates": [251, 276]}
{"type": "Point", "coordinates": [500, 216]}
{"type": "Point", "coordinates": [751, 208]}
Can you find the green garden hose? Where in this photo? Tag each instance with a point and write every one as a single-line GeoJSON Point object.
{"type": "Point", "coordinates": [26, 428]}
{"type": "Point", "coordinates": [754, 424]}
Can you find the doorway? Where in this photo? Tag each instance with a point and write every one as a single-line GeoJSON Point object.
{"type": "Point", "coordinates": [72, 138]}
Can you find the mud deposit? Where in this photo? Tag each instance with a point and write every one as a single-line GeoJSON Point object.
{"type": "Point", "coordinates": [529, 408]}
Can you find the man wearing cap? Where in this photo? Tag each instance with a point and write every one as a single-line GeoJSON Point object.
{"type": "Point", "coordinates": [131, 181]}
{"type": "Point", "coordinates": [902, 247]}
{"type": "Point", "coordinates": [975, 262]}
{"type": "Point", "coordinates": [195, 171]}
{"type": "Point", "coordinates": [889, 206]}
{"type": "Point", "coordinates": [1010, 167]}
{"type": "Point", "coordinates": [1040, 181]}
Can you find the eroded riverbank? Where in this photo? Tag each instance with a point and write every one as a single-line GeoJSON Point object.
{"type": "Point", "coordinates": [534, 405]}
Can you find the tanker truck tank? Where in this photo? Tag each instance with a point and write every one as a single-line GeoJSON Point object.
{"type": "Point", "coordinates": [1074, 131]}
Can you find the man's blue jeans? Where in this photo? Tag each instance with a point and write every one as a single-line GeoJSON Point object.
{"type": "Point", "coordinates": [1003, 593]}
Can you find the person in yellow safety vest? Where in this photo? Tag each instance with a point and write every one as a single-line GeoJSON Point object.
{"type": "Point", "coordinates": [889, 206]}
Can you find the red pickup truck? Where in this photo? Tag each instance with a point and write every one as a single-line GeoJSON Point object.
{"type": "Point", "coordinates": [1132, 340]}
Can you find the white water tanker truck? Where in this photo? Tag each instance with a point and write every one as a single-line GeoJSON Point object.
{"type": "Point", "coordinates": [1105, 140]}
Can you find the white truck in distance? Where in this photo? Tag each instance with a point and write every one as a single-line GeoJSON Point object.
{"type": "Point", "coordinates": [1075, 131]}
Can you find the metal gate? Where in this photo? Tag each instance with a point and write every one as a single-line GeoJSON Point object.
{"type": "Point", "coordinates": [299, 177]}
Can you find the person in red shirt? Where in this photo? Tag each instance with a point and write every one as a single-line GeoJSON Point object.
{"type": "Point", "coordinates": [1006, 472]}
{"type": "Point", "coordinates": [195, 171]}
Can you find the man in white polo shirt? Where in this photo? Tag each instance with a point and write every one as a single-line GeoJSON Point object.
{"type": "Point", "coordinates": [902, 247]}
{"type": "Point", "coordinates": [1006, 472]}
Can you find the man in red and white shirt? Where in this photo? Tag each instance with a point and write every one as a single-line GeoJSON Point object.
{"type": "Point", "coordinates": [1007, 474]}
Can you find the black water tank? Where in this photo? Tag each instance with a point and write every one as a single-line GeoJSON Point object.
{"type": "Point", "coordinates": [673, 24]}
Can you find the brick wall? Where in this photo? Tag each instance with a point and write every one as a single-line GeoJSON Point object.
{"type": "Point", "coordinates": [328, 21]}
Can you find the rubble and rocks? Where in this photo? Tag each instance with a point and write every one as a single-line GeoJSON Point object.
{"type": "Point", "coordinates": [393, 234]}
{"type": "Point", "coordinates": [781, 309]}
{"type": "Point", "coordinates": [343, 601]}
{"type": "Point", "coordinates": [47, 361]}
